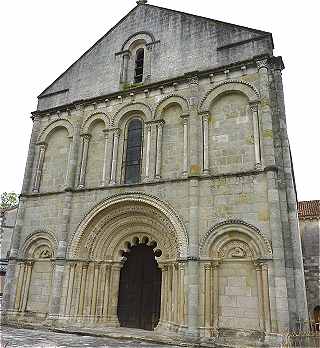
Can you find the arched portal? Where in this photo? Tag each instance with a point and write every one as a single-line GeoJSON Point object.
{"type": "Point", "coordinates": [126, 265]}
{"type": "Point", "coordinates": [140, 288]}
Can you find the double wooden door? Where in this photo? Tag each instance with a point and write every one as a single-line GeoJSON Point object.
{"type": "Point", "coordinates": [140, 289]}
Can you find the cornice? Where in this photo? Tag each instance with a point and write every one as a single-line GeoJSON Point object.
{"type": "Point", "coordinates": [254, 172]}
{"type": "Point", "coordinates": [151, 86]}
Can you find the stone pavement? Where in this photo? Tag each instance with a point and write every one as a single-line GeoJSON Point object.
{"type": "Point", "coordinates": [35, 338]}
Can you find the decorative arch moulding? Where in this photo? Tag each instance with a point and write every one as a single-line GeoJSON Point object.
{"type": "Point", "coordinates": [97, 115]}
{"type": "Point", "coordinates": [227, 86]}
{"type": "Point", "coordinates": [139, 107]}
{"type": "Point", "coordinates": [221, 230]}
{"type": "Point", "coordinates": [61, 123]}
{"type": "Point", "coordinates": [169, 100]}
{"type": "Point", "coordinates": [37, 239]}
{"type": "Point", "coordinates": [133, 197]}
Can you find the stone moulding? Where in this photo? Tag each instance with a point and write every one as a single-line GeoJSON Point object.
{"type": "Point", "coordinates": [92, 118]}
{"type": "Point", "coordinates": [48, 239]}
{"type": "Point", "coordinates": [52, 126]}
{"type": "Point", "coordinates": [235, 226]}
{"type": "Point", "coordinates": [168, 100]}
{"type": "Point", "coordinates": [139, 197]}
{"type": "Point", "coordinates": [228, 86]}
{"type": "Point", "coordinates": [141, 35]}
{"type": "Point", "coordinates": [131, 107]}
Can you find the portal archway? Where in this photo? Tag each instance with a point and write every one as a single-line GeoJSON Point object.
{"type": "Point", "coordinates": [117, 236]}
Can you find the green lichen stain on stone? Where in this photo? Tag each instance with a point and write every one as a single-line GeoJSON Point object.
{"type": "Point", "coordinates": [195, 169]}
{"type": "Point", "coordinates": [218, 183]}
{"type": "Point", "coordinates": [129, 86]}
{"type": "Point", "coordinates": [250, 78]}
{"type": "Point", "coordinates": [243, 198]}
{"type": "Point", "coordinates": [263, 215]}
{"type": "Point", "coordinates": [223, 210]}
{"type": "Point", "coordinates": [212, 119]}
{"type": "Point", "coordinates": [264, 102]}
{"type": "Point", "coordinates": [250, 140]}
{"type": "Point", "coordinates": [267, 133]}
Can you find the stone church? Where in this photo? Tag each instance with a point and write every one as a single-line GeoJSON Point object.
{"type": "Point", "coordinates": [159, 192]}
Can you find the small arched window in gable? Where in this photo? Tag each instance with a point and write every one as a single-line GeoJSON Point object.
{"type": "Point", "coordinates": [133, 155]}
{"type": "Point", "coordinates": [139, 61]}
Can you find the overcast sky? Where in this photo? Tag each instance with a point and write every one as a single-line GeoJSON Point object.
{"type": "Point", "coordinates": [41, 38]}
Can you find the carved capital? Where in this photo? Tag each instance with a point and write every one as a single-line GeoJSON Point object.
{"type": "Point", "coordinates": [43, 146]}
{"type": "Point", "coordinates": [185, 116]}
{"type": "Point", "coordinates": [86, 137]}
{"type": "Point", "coordinates": [85, 265]}
{"type": "Point", "coordinates": [205, 116]}
{"type": "Point", "coordinates": [262, 64]}
{"type": "Point", "coordinates": [160, 123]}
{"type": "Point", "coordinates": [116, 132]}
{"type": "Point", "coordinates": [29, 263]}
{"type": "Point", "coordinates": [207, 266]}
{"type": "Point", "coordinates": [254, 106]}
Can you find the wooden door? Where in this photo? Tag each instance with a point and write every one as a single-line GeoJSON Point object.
{"type": "Point", "coordinates": [140, 289]}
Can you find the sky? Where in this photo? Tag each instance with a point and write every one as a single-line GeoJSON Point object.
{"type": "Point", "coordinates": [41, 39]}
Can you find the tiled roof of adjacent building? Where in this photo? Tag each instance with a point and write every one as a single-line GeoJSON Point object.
{"type": "Point", "coordinates": [309, 209]}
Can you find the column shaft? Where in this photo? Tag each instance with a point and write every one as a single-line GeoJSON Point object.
{"type": "Point", "coordinates": [106, 294]}
{"type": "Point", "coordinates": [19, 287]}
{"type": "Point", "coordinates": [260, 298]}
{"type": "Point", "coordinates": [256, 133]}
{"type": "Point", "coordinates": [266, 299]}
{"type": "Point", "coordinates": [215, 306]}
{"type": "Point", "coordinates": [93, 309]}
{"type": "Point", "coordinates": [116, 135]}
{"type": "Point", "coordinates": [70, 286]}
{"type": "Point", "coordinates": [159, 150]}
{"type": "Point", "coordinates": [84, 159]}
{"type": "Point", "coordinates": [37, 178]}
{"type": "Point", "coordinates": [27, 279]}
{"type": "Point", "coordinates": [106, 161]}
{"type": "Point", "coordinates": [147, 169]}
{"type": "Point", "coordinates": [205, 136]}
{"type": "Point", "coordinates": [83, 284]}
{"type": "Point", "coordinates": [113, 303]}
{"type": "Point", "coordinates": [185, 145]}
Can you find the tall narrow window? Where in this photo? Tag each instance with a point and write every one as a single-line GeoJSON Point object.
{"type": "Point", "coordinates": [132, 165]}
{"type": "Point", "coordinates": [138, 71]}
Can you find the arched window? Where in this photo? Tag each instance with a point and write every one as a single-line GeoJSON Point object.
{"type": "Point", "coordinates": [138, 70]}
{"type": "Point", "coordinates": [132, 164]}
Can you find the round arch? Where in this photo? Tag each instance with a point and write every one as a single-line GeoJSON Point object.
{"type": "Point", "coordinates": [125, 218]}
{"type": "Point", "coordinates": [216, 240]}
{"type": "Point", "coordinates": [140, 108]}
{"type": "Point", "coordinates": [61, 123]}
{"type": "Point", "coordinates": [169, 100]}
{"type": "Point", "coordinates": [39, 244]}
{"type": "Point", "coordinates": [226, 87]}
{"type": "Point", "coordinates": [93, 118]}
{"type": "Point", "coordinates": [141, 36]}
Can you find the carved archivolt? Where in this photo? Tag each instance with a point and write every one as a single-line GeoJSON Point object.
{"type": "Point", "coordinates": [103, 232]}
{"type": "Point", "coordinates": [61, 123]}
{"type": "Point", "coordinates": [243, 87]}
{"type": "Point", "coordinates": [249, 240]}
{"type": "Point", "coordinates": [140, 108]}
{"type": "Point", "coordinates": [169, 100]}
{"type": "Point", "coordinates": [40, 245]}
{"type": "Point", "coordinates": [93, 118]}
{"type": "Point", "coordinates": [141, 35]}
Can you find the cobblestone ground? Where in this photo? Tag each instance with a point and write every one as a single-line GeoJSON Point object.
{"type": "Point", "coordinates": [16, 338]}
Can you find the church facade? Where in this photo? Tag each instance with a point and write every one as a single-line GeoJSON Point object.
{"type": "Point", "coordinates": [158, 192]}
